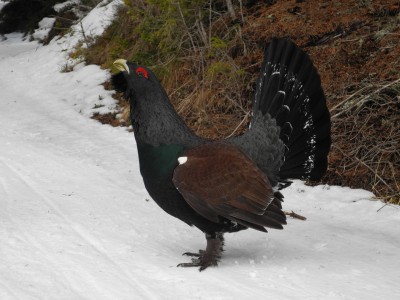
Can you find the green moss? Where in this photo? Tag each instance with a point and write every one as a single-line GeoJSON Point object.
{"type": "Point", "coordinates": [225, 69]}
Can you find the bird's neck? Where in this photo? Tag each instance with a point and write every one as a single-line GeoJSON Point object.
{"type": "Point", "coordinates": [157, 123]}
{"type": "Point", "coordinates": [161, 136]}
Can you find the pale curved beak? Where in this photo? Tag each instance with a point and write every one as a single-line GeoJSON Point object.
{"type": "Point", "coordinates": [121, 65]}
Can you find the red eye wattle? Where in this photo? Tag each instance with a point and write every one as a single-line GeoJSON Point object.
{"type": "Point", "coordinates": [142, 72]}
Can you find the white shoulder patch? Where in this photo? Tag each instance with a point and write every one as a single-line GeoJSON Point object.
{"type": "Point", "coordinates": [182, 160]}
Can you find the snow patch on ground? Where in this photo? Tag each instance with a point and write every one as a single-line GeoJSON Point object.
{"type": "Point", "coordinates": [2, 3]}
{"type": "Point", "coordinates": [44, 28]}
{"type": "Point", "coordinates": [76, 222]}
{"type": "Point", "coordinates": [60, 6]}
{"type": "Point", "coordinates": [99, 18]}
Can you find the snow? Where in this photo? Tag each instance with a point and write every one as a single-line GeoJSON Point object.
{"type": "Point", "coordinates": [44, 28]}
{"type": "Point", "coordinates": [2, 3]}
{"type": "Point", "coordinates": [99, 19]}
{"type": "Point", "coordinates": [76, 221]}
{"type": "Point", "coordinates": [60, 6]}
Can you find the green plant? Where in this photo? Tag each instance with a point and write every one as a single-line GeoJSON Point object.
{"type": "Point", "coordinates": [227, 70]}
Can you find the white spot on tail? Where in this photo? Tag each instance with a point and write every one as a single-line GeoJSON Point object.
{"type": "Point", "coordinates": [182, 160]}
{"type": "Point", "coordinates": [282, 92]}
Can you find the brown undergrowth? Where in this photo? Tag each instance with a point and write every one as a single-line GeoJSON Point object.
{"type": "Point", "coordinates": [354, 45]}
{"type": "Point", "coordinates": [366, 146]}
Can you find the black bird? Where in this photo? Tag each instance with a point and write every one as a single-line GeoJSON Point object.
{"type": "Point", "coordinates": [232, 184]}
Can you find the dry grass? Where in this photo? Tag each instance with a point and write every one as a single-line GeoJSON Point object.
{"type": "Point", "coordinates": [214, 107]}
{"type": "Point", "coordinates": [366, 140]}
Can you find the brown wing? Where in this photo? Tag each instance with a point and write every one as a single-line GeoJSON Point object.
{"type": "Point", "coordinates": [217, 179]}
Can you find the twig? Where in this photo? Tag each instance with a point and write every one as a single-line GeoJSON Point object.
{"type": "Point", "coordinates": [363, 100]}
{"type": "Point", "coordinates": [187, 28]}
{"type": "Point", "coordinates": [230, 8]}
{"type": "Point", "coordinates": [374, 172]}
{"type": "Point", "coordinates": [240, 124]}
{"type": "Point", "coordinates": [382, 207]}
{"type": "Point", "coordinates": [294, 215]}
{"type": "Point", "coordinates": [209, 21]}
{"type": "Point", "coordinates": [84, 35]}
{"type": "Point", "coordinates": [387, 204]}
{"type": "Point", "coordinates": [348, 98]}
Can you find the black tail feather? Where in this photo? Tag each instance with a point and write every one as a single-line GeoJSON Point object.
{"type": "Point", "coordinates": [289, 89]}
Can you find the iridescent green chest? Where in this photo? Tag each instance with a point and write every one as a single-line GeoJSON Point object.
{"type": "Point", "coordinates": [159, 161]}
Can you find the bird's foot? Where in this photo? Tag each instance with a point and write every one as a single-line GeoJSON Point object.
{"type": "Point", "coordinates": [199, 254]}
{"type": "Point", "coordinates": [209, 257]}
{"type": "Point", "coordinates": [201, 261]}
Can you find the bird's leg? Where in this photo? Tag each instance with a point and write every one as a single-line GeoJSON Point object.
{"type": "Point", "coordinates": [208, 257]}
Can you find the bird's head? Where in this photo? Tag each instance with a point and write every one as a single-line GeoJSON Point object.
{"type": "Point", "coordinates": [140, 86]}
{"type": "Point", "coordinates": [133, 78]}
{"type": "Point", "coordinates": [149, 103]}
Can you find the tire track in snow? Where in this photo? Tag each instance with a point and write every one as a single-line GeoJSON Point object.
{"type": "Point", "coordinates": [32, 241]}
{"type": "Point", "coordinates": [8, 291]}
{"type": "Point", "coordinates": [141, 288]}
{"type": "Point", "coordinates": [44, 253]}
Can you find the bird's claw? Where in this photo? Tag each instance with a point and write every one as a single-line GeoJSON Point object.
{"type": "Point", "coordinates": [199, 262]}
{"type": "Point", "coordinates": [201, 259]}
{"type": "Point", "coordinates": [201, 252]}
{"type": "Point", "coordinates": [208, 257]}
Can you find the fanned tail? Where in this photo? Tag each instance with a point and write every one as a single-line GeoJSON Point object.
{"type": "Point", "coordinates": [289, 90]}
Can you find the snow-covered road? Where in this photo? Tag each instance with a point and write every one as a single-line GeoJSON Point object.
{"type": "Point", "coordinates": [77, 223]}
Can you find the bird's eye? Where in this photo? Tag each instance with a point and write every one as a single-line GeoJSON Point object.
{"type": "Point", "coordinates": [142, 72]}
